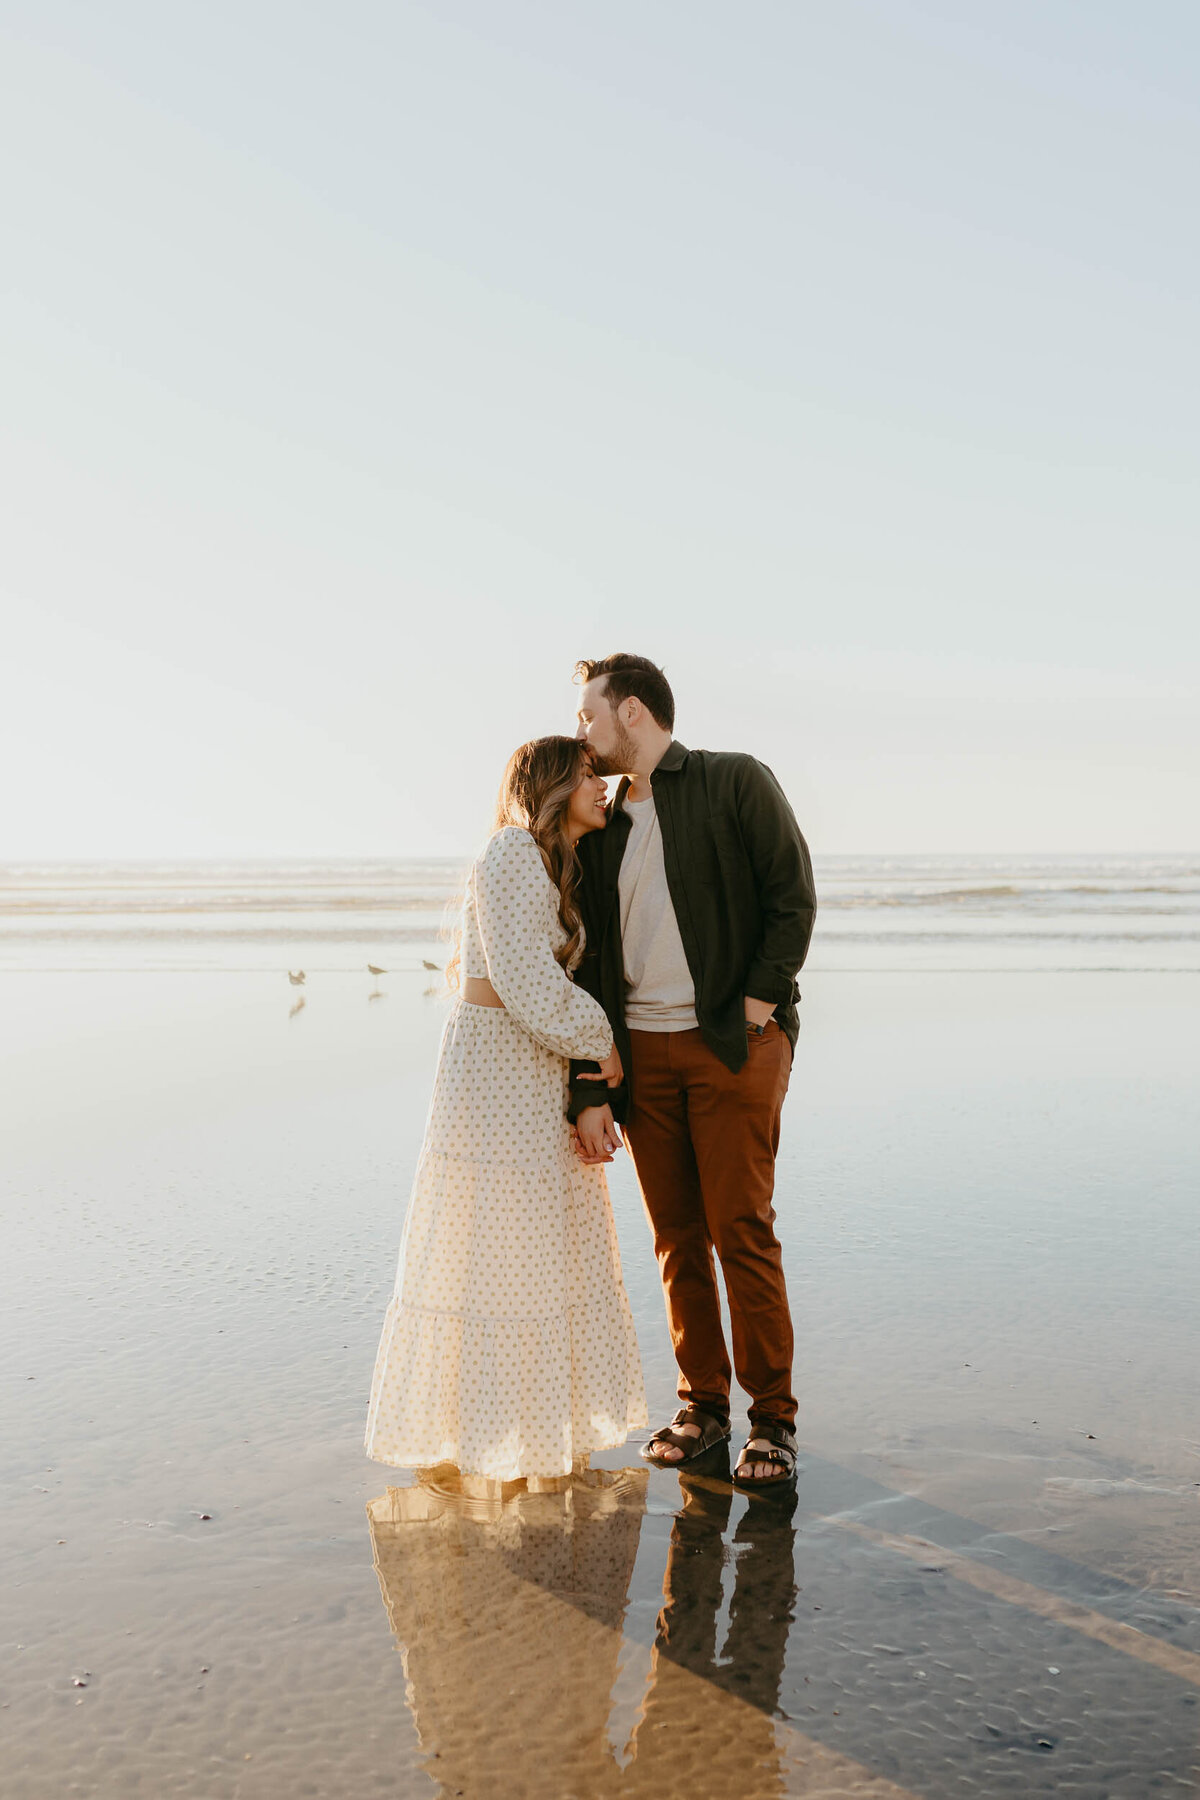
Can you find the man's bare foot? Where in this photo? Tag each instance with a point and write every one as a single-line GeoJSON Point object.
{"type": "Point", "coordinates": [673, 1452]}
{"type": "Point", "coordinates": [692, 1432]}
{"type": "Point", "coordinates": [758, 1471]}
{"type": "Point", "coordinates": [769, 1457]}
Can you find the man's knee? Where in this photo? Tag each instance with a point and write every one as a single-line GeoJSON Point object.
{"type": "Point", "coordinates": [745, 1239]}
{"type": "Point", "coordinates": [741, 1208]}
{"type": "Point", "coordinates": [684, 1251]}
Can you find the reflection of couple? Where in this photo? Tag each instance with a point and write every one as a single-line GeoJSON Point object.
{"type": "Point", "coordinates": [657, 956]}
{"type": "Point", "coordinates": [511, 1614]}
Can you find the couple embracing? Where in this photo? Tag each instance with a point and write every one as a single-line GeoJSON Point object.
{"type": "Point", "coordinates": [627, 966]}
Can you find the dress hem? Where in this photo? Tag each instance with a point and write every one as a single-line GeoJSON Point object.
{"type": "Point", "coordinates": [563, 1466]}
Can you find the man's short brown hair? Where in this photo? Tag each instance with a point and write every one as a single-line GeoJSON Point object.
{"type": "Point", "coordinates": [632, 678]}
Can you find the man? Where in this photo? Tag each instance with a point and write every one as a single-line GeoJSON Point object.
{"type": "Point", "coordinates": [698, 905]}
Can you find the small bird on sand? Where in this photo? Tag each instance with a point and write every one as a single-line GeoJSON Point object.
{"type": "Point", "coordinates": [297, 980]}
{"type": "Point", "coordinates": [436, 967]}
{"type": "Point", "coordinates": [372, 970]}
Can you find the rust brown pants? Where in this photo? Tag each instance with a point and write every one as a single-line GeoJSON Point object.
{"type": "Point", "coordinates": [703, 1142]}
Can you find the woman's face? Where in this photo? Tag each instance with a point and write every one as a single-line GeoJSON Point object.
{"type": "Point", "coordinates": [585, 808]}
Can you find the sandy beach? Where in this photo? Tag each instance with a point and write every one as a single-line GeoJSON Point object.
{"type": "Point", "coordinates": [991, 1582]}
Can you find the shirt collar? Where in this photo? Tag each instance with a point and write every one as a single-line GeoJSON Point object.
{"type": "Point", "coordinates": [672, 758]}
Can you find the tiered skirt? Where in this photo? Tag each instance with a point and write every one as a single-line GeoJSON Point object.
{"type": "Point", "coordinates": [508, 1348]}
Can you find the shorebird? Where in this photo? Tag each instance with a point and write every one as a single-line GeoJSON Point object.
{"type": "Point", "coordinates": [436, 967]}
{"type": "Point", "coordinates": [372, 970]}
{"type": "Point", "coordinates": [297, 980]}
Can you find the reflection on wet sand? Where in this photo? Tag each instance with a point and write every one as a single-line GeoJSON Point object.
{"type": "Point", "coordinates": [508, 1613]}
{"type": "Point", "coordinates": [686, 1740]}
{"type": "Point", "coordinates": [984, 1607]}
{"type": "Point", "coordinates": [510, 1617]}
{"type": "Point", "coordinates": [870, 1645]}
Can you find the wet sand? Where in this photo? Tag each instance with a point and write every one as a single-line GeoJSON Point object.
{"type": "Point", "coordinates": [990, 1583]}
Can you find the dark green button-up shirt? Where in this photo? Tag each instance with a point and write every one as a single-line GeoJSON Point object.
{"type": "Point", "coordinates": [741, 883]}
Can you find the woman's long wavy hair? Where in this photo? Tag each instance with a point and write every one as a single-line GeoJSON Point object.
{"type": "Point", "coordinates": [538, 783]}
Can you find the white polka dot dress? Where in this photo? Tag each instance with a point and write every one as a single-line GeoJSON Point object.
{"type": "Point", "coordinates": [508, 1348]}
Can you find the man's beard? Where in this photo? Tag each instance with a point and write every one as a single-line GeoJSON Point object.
{"type": "Point", "coordinates": [621, 757]}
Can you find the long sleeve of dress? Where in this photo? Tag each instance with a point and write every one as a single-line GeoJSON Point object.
{"type": "Point", "coordinates": [514, 905]}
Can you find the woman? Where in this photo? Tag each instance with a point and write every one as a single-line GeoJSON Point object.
{"type": "Point", "coordinates": [508, 1348]}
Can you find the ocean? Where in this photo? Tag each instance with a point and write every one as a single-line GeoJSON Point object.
{"type": "Point", "coordinates": [876, 912]}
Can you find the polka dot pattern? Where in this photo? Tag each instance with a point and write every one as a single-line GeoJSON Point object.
{"type": "Point", "coordinates": [509, 1346]}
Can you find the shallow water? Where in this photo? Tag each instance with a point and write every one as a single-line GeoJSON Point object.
{"type": "Point", "coordinates": [990, 1583]}
{"type": "Point", "coordinates": [876, 912]}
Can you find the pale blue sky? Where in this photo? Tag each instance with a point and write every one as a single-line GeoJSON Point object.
{"type": "Point", "coordinates": [364, 365]}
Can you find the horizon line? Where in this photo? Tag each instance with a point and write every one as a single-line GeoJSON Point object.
{"type": "Point", "coordinates": [12, 863]}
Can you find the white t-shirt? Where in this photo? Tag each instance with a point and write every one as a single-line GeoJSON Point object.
{"type": "Point", "coordinates": [659, 992]}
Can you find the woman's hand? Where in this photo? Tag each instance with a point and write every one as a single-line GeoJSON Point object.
{"type": "Point", "coordinates": [595, 1135]}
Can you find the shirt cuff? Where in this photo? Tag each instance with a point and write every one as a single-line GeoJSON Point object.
{"type": "Point", "coordinates": [766, 984]}
{"type": "Point", "coordinates": [596, 1093]}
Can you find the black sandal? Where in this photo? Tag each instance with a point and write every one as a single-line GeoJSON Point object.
{"type": "Point", "coordinates": [783, 1452]}
{"type": "Point", "coordinates": [714, 1429]}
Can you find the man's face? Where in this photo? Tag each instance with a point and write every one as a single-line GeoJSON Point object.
{"type": "Point", "coordinates": [613, 750]}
